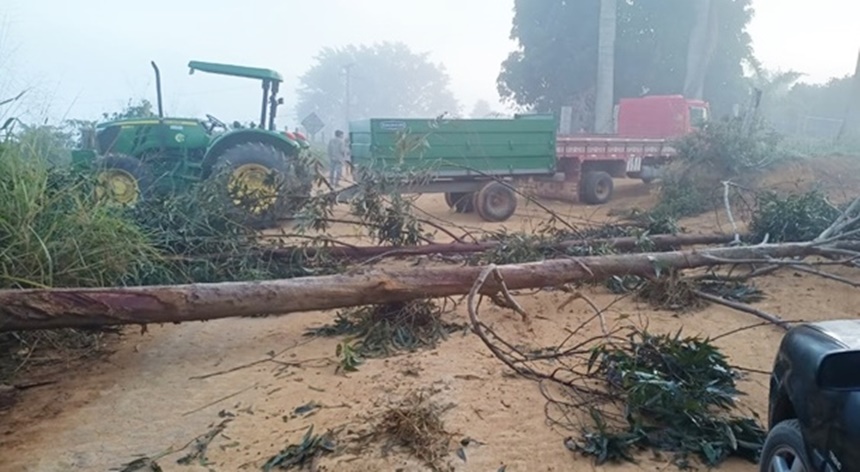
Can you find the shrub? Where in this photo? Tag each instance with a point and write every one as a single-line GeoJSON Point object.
{"type": "Point", "coordinates": [721, 150]}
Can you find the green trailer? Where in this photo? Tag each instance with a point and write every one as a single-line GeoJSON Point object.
{"type": "Point", "coordinates": [474, 162]}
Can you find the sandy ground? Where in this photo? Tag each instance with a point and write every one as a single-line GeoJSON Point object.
{"type": "Point", "coordinates": [148, 395]}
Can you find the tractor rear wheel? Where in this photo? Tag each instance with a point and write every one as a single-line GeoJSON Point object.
{"type": "Point", "coordinates": [495, 202]}
{"type": "Point", "coordinates": [460, 202]}
{"type": "Point", "coordinates": [122, 179]}
{"type": "Point", "coordinates": [596, 188]}
{"type": "Point", "coordinates": [257, 181]}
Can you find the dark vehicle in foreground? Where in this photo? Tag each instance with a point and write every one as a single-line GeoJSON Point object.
{"type": "Point", "coordinates": [814, 404]}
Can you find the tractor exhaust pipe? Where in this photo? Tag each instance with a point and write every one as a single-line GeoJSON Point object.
{"type": "Point", "coordinates": [158, 89]}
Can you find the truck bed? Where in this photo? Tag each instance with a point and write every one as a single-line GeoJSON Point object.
{"type": "Point", "coordinates": [595, 148]}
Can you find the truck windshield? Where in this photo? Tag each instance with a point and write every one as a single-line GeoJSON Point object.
{"type": "Point", "coordinates": [698, 116]}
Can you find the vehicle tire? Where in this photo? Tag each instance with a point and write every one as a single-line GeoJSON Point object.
{"type": "Point", "coordinates": [122, 179]}
{"type": "Point", "coordinates": [495, 202]}
{"type": "Point", "coordinates": [596, 188]}
{"type": "Point", "coordinates": [783, 448]}
{"type": "Point", "coordinates": [460, 202]}
{"type": "Point", "coordinates": [257, 182]}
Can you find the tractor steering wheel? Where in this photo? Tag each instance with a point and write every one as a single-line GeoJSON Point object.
{"type": "Point", "coordinates": [215, 123]}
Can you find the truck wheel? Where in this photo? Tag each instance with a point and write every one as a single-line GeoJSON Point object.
{"type": "Point", "coordinates": [596, 187]}
{"type": "Point", "coordinates": [122, 179]}
{"type": "Point", "coordinates": [256, 175]}
{"type": "Point", "coordinates": [495, 202]}
{"type": "Point", "coordinates": [460, 202]}
{"type": "Point", "coordinates": [784, 449]}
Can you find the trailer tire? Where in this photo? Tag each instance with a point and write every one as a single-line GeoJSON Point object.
{"type": "Point", "coordinates": [495, 202]}
{"type": "Point", "coordinates": [460, 202]}
{"type": "Point", "coordinates": [596, 187]}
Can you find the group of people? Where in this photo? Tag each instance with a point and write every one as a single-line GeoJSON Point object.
{"type": "Point", "coordinates": [338, 157]}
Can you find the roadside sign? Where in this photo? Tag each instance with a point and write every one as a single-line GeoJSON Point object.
{"type": "Point", "coordinates": [313, 123]}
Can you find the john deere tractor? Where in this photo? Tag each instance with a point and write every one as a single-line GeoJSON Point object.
{"type": "Point", "coordinates": [262, 169]}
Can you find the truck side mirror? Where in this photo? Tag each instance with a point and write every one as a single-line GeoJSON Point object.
{"type": "Point", "coordinates": [840, 371]}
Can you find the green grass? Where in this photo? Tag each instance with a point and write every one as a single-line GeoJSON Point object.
{"type": "Point", "coordinates": [54, 232]}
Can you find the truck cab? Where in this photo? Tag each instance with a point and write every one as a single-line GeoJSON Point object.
{"type": "Point", "coordinates": [814, 402]}
{"type": "Point", "coordinates": [660, 116]}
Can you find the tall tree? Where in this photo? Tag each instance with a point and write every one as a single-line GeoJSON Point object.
{"type": "Point", "coordinates": [481, 109]}
{"type": "Point", "coordinates": [850, 129]}
{"type": "Point", "coordinates": [556, 61]}
{"type": "Point", "coordinates": [385, 80]}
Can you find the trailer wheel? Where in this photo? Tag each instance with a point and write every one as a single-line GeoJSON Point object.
{"type": "Point", "coordinates": [495, 202]}
{"type": "Point", "coordinates": [460, 202]}
{"type": "Point", "coordinates": [596, 187]}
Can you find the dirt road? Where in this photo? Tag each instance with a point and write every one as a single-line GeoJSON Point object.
{"type": "Point", "coordinates": [149, 395]}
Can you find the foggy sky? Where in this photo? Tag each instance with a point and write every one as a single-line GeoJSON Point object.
{"type": "Point", "coordinates": [83, 57]}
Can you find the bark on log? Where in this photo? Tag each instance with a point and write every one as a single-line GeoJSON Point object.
{"type": "Point", "coordinates": [661, 242]}
{"type": "Point", "coordinates": [71, 308]}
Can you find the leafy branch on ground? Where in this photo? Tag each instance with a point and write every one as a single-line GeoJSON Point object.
{"type": "Point", "coordinates": [673, 291]}
{"type": "Point", "coordinates": [303, 454]}
{"type": "Point", "coordinates": [383, 330]}
{"type": "Point", "coordinates": [678, 394]}
{"type": "Point", "coordinates": [794, 217]}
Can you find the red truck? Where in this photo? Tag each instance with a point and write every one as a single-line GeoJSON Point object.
{"type": "Point", "coordinates": [645, 130]}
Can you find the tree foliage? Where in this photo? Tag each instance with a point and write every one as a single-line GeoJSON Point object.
{"type": "Point", "coordinates": [386, 79]}
{"type": "Point", "coordinates": [814, 110]}
{"type": "Point", "coordinates": [556, 62]}
{"type": "Point", "coordinates": [140, 109]}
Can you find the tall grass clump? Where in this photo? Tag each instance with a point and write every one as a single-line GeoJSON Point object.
{"type": "Point", "coordinates": [54, 233]}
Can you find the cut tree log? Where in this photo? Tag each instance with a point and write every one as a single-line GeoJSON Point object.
{"type": "Point", "coordinates": [659, 242]}
{"type": "Point", "coordinates": [75, 308]}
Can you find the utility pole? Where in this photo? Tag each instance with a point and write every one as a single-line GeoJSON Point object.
{"type": "Point", "coordinates": [851, 123]}
{"type": "Point", "coordinates": [605, 68]}
{"type": "Point", "coordinates": [347, 70]}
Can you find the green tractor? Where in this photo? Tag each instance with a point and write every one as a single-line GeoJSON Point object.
{"type": "Point", "coordinates": [264, 173]}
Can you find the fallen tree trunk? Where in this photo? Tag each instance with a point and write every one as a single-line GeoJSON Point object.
{"type": "Point", "coordinates": [71, 308]}
{"type": "Point", "coordinates": [661, 242]}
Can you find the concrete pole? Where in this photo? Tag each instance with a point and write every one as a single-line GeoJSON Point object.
{"type": "Point", "coordinates": [851, 123]}
{"type": "Point", "coordinates": [604, 100]}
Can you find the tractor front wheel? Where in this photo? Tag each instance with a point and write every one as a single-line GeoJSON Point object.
{"type": "Point", "coordinates": [256, 177]}
{"type": "Point", "coordinates": [122, 179]}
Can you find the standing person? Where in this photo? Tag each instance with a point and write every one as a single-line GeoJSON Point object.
{"type": "Point", "coordinates": [348, 159]}
{"type": "Point", "coordinates": [336, 157]}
